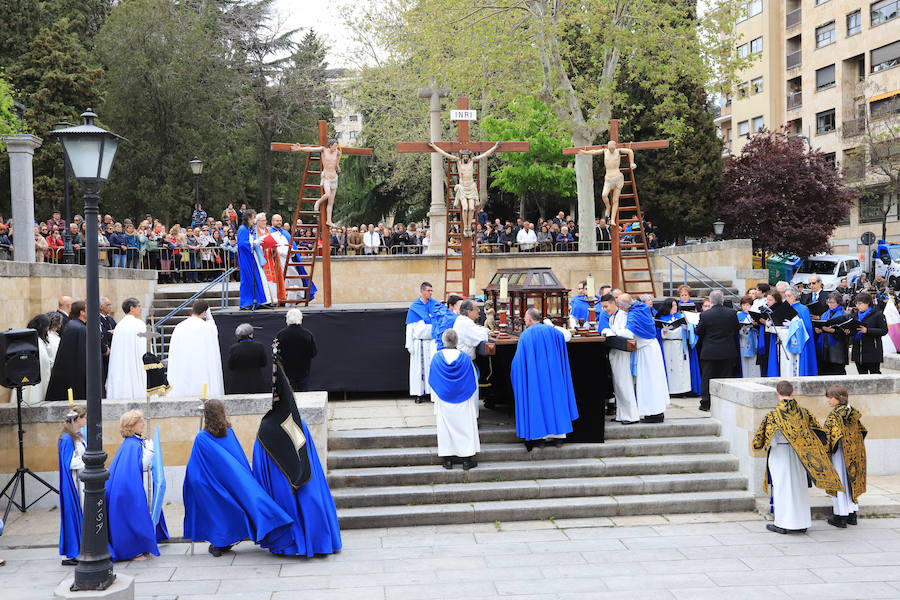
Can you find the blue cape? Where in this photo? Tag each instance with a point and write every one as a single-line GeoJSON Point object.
{"type": "Point", "coordinates": [808, 365]}
{"type": "Point", "coordinates": [542, 384]}
{"type": "Point", "coordinates": [602, 320]}
{"type": "Point", "coordinates": [314, 524]}
{"type": "Point", "coordinates": [420, 311]}
{"type": "Point", "coordinates": [442, 321]}
{"type": "Point", "coordinates": [300, 268]}
{"type": "Point", "coordinates": [826, 340]}
{"type": "Point", "coordinates": [131, 530]}
{"type": "Point", "coordinates": [455, 382]}
{"type": "Point", "coordinates": [252, 290]}
{"type": "Point", "coordinates": [640, 321]}
{"type": "Point", "coordinates": [223, 503]}
{"type": "Point", "coordinates": [69, 502]}
{"type": "Point", "coordinates": [579, 306]}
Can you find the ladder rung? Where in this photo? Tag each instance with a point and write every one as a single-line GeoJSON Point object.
{"type": "Point", "coordinates": [633, 257]}
{"type": "Point", "coordinates": [635, 269]}
{"type": "Point", "coordinates": [631, 246]}
{"type": "Point", "coordinates": [638, 281]}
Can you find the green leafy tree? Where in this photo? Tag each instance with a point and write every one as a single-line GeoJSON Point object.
{"type": "Point", "coordinates": [542, 175]}
{"type": "Point", "coordinates": [9, 121]}
{"type": "Point", "coordinates": [22, 19]}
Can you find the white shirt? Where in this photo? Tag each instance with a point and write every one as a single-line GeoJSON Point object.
{"type": "Point", "coordinates": [371, 240]}
{"type": "Point", "coordinates": [526, 239]}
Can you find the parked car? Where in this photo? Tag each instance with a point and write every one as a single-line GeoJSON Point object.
{"type": "Point", "coordinates": [832, 268]}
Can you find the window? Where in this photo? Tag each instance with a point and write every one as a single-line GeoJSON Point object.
{"type": "Point", "coordinates": [883, 11]}
{"type": "Point", "coordinates": [825, 121]}
{"type": "Point", "coordinates": [885, 57]}
{"type": "Point", "coordinates": [757, 124]}
{"type": "Point", "coordinates": [825, 77]}
{"type": "Point", "coordinates": [818, 2]}
{"type": "Point", "coordinates": [351, 135]}
{"type": "Point", "coordinates": [743, 128]}
{"type": "Point", "coordinates": [831, 158]}
{"type": "Point", "coordinates": [825, 34]}
{"type": "Point", "coordinates": [354, 118]}
{"type": "Point", "coordinates": [743, 89]}
{"type": "Point", "coordinates": [871, 208]}
{"type": "Point", "coordinates": [854, 23]}
{"type": "Point", "coordinates": [885, 106]}
{"type": "Point", "coordinates": [756, 85]}
{"type": "Point", "coordinates": [719, 131]}
{"type": "Point", "coordinates": [754, 7]}
{"type": "Point", "coordinates": [756, 45]}
{"type": "Point", "coordinates": [743, 50]}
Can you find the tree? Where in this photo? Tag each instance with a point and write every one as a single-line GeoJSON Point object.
{"type": "Point", "coordinates": [9, 121]}
{"type": "Point", "coordinates": [22, 19]}
{"type": "Point", "coordinates": [782, 196]}
{"type": "Point", "coordinates": [542, 174]}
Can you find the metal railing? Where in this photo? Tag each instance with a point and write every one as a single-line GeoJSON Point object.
{"type": "Point", "coordinates": [793, 18]}
{"type": "Point", "coordinates": [794, 59]}
{"type": "Point", "coordinates": [682, 264]}
{"type": "Point", "coordinates": [795, 100]}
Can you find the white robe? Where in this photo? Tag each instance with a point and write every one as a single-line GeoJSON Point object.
{"type": "Point", "coordinates": [790, 494]}
{"type": "Point", "coordinates": [421, 348]}
{"type": "Point", "coordinates": [620, 365]}
{"type": "Point", "coordinates": [76, 466]}
{"type": "Point", "coordinates": [53, 338]}
{"type": "Point", "coordinates": [470, 335]}
{"type": "Point", "coordinates": [651, 389]}
{"type": "Point", "coordinates": [194, 359]}
{"type": "Point", "coordinates": [282, 248]}
{"type": "Point", "coordinates": [457, 424]}
{"type": "Point", "coordinates": [678, 360]}
{"type": "Point", "coordinates": [33, 395]}
{"type": "Point", "coordinates": [842, 503]}
{"type": "Point", "coordinates": [788, 363]}
{"type": "Point", "coordinates": [126, 377]}
{"type": "Point", "coordinates": [749, 368]}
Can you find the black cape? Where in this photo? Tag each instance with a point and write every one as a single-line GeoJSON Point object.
{"type": "Point", "coordinates": [70, 368]}
{"type": "Point", "coordinates": [281, 432]}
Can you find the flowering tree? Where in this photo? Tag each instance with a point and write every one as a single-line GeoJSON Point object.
{"type": "Point", "coordinates": [783, 196]}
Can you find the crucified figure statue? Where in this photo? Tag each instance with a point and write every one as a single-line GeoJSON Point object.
{"type": "Point", "coordinates": [331, 156]}
{"type": "Point", "coordinates": [466, 192]}
{"type": "Point", "coordinates": [614, 180]}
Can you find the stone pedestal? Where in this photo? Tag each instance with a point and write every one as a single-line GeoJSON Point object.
{"type": "Point", "coordinates": [121, 589]}
{"type": "Point", "coordinates": [21, 182]}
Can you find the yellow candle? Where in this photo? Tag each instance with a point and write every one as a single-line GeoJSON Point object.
{"type": "Point", "coordinates": [590, 286]}
{"type": "Point", "coordinates": [71, 397]}
{"type": "Point", "coordinates": [204, 391]}
{"type": "Point", "coordinates": [472, 291]}
{"type": "Point", "coordinates": [504, 288]}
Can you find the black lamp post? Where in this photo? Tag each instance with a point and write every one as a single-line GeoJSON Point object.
{"type": "Point", "coordinates": [196, 169]}
{"type": "Point", "coordinates": [90, 151]}
{"type": "Point", "coordinates": [68, 253]}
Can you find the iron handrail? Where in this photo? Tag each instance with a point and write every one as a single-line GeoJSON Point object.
{"type": "Point", "coordinates": [695, 272]}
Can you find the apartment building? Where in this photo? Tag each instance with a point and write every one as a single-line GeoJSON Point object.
{"type": "Point", "coordinates": [347, 119]}
{"type": "Point", "coordinates": [821, 68]}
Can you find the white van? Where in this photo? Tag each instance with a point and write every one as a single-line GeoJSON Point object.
{"type": "Point", "coordinates": [831, 267]}
{"type": "Point", "coordinates": [886, 260]}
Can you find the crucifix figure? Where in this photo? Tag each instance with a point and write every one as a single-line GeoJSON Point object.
{"type": "Point", "coordinates": [331, 157]}
{"type": "Point", "coordinates": [614, 181]}
{"type": "Point", "coordinates": [466, 192]}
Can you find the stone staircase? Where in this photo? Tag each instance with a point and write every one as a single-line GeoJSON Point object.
{"type": "Point", "coordinates": [698, 289]}
{"type": "Point", "coordinates": [168, 297]}
{"type": "Point", "coordinates": [393, 477]}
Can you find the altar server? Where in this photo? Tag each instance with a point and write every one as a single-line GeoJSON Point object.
{"type": "Point", "coordinates": [127, 377]}
{"type": "Point", "coordinates": [282, 237]}
{"type": "Point", "coordinates": [620, 363]}
{"type": "Point", "coordinates": [223, 503]}
{"type": "Point", "coordinates": [679, 349]}
{"type": "Point", "coordinates": [132, 535]}
{"type": "Point", "coordinates": [802, 344]}
{"type": "Point", "coordinates": [845, 444]}
{"type": "Point", "coordinates": [454, 389]}
{"type": "Point", "coordinates": [748, 340]}
{"type": "Point", "coordinates": [466, 326]}
{"type": "Point", "coordinates": [286, 465]}
{"type": "Point", "coordinates": [831, 343]}
{"type": "Point", "coordinates": [194, 358]}
{"type": "Point", "coordinates": [419, 343]}
{"type": "Point", "coordinates": [254, 286]}
{"type": "Point", "coordinates": [651, 389]}
{"type": "Point", "coordinates": [71, 448]}
{"type": "Point", "coordinates": [542, 384]}
{"type": "Point", "coordinates": [792, 437]}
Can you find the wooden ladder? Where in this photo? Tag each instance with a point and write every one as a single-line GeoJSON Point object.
{"type": "Point", "coordinates": [453, 253]}
{"type": "Point", "coordinates": [634, 257]}
{"type": "Point", "coordinates": [299, 255]}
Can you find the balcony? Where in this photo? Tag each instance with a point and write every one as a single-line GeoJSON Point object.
{"type": "Point", "coordinates": [792, 18]}
{"type": "Point", "coordinates": [794, 100]}
{"type": "Point", "coordinates": [852, 127]}
{"type": "Point", "coordinates": [794, 60]}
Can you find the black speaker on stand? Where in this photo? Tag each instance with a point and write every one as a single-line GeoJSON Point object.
{"type": "Point", "coordinates": [20, 365]}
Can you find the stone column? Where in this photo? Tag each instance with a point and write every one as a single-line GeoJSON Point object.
{"type": "Point", "coordinates": [437, 214]}
{"type": "Point", "coordinates": [21, 182]}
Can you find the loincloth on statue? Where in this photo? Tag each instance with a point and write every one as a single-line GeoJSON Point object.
{"type": "Point", "coordinates": [614, 180]}
{"type": "Point", "coordinates": [332, 182]}
{"type": "Point", "coordinates": [467, 192]}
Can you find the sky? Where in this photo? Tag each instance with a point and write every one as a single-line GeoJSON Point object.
{"type": "Point", "coordinates": [321, 15]}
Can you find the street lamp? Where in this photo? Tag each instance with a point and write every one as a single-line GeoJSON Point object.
{"type": "Point", "coordinates": [89, 151]}
{"type": "Point", "coordinates": [719, 228]}
{"type": "Point", "coordinates": [68, 254]}
{"type": "Point", "coordinates": [196, 169]}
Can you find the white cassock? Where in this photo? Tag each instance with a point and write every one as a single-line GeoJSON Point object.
{"type": "Point", "coordinates": [126, 377]}
{"type": "Point", "coordinates": [790, 494]}
{"type": "Point", "coordinates": [284, 243]}
{"type": "Point", "coordinates": [457, 424]}
{"type": "Point", "coordinates": [470, 335]}
{"type": "Point", "coordinates": [788, 363]}
{"type": "Point", "coordinates": [421, 348]}
{"type": "Point", "coordinates": [842, 503]}
{"type": "Point", "coordinates": [678, 359]}
{"type": "Point", "coordinates": [34, 394]}
{"type": "Point", "coordinates": [194, 359]}
{"type": "Point", "coordinates": [749, 368]}
{"type": "Point", "coordinates": [620, 365]}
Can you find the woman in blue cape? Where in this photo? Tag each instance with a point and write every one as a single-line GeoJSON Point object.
{"type": "Point", "coordinates": [831, 342]}
{"type": "Point", "coordinates": [223, 503]}
{"type": "Point", "coordinates": [131, 531]}
{"type": "Point", "coordinates": [293, 478]}
{"type": "Point", "coordinates": [71, 450]}
{"type": "Point", "coordinates": [748, 340]}
{"type": "Point", "coordinates": [253, 278]}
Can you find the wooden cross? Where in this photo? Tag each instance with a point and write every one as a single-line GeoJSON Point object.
{"type": "Point", "coordinates": [324, 230]}
{"type": "Point", "coordinates": [464, 143]}
{"type": "Point", "coordinates": [614, 137]}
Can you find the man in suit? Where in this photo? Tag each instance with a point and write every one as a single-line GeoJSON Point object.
{"type": "Point", "coordinates": [718, 332]}
{"type": "Point", "coordinates": [816, 299]}
{"type": "Point", "coordinates": [107, 324]}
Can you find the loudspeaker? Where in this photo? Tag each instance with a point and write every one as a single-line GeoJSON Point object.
{"type": "Point", "coordinates": [20, 362]}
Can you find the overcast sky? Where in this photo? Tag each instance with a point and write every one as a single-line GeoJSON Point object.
{"type": "Point", "coordinates": [321, 15]}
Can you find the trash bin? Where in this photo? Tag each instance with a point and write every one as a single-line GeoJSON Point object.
{"type": "Point", "coordinates": [791, 265]}
{"type": "Point", "coordinates": [775, 265]}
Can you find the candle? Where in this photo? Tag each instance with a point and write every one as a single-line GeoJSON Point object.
{"type": "Point", "coordinates": [71, 397]}
{"type": "Point", "coordinates": [204, 391]}
{"type": "Point", "coordinates": [472, 289]}
{"type": "Point", "coordinates": [504, 288]}
{"type": "Point", "coordinates": [590, 286]}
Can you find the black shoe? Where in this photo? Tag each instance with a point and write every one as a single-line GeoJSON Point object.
{"type": "Point", "coordinates": [218, 551]}
{"type": "Point", "coordinates": [69, 562]}
{"type": "Point", "coordinates": [610, 410]}
{"type": "Point", "coordinates": [657, 418]}
{"type": "Point", "coordinates": [776, 528]}
{"type": "Point", "coordinates": [420, 399]}
{"type": "Point", "coordinates": [447, 463]}
{"type": "Point", "coordinates": [529, 445]}
{"type": "Point", "coordinates": [838, 521]}
{"type": "Point", "coordinates": [629, 422]}
{"type": "Point", "coordinates": [247, 308]}
{"type": "Point", "coordinates": [851, 519]}
{"type": "Point", "coordinates": [558, 442]}
{"type": "Point", "coordinates": [704, 406]}
{"type": "Point", "coordinates": [469, 463]}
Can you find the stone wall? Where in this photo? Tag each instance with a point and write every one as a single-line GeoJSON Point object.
{"type": "Point", "coordinates": [178, 419]}
{"type": "Point", "coordinates": [740, 405]}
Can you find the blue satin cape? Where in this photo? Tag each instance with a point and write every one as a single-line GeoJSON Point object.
{"type": "Point", "coordinates": [131, 530]}
{"type": "Point", "coordinates": [314, 528]}
{"type": "Point", "coordinates": [252, 290]}
{"type": "Point", "coordinates": [542, 384]}
{"type": "Point", "coordinates": [579, 307]}
{"type": "Point", "coordinates": [421, 311]}
{"type": "Point", "coordinates": [453, 382]}
{"type": "Point", "coordinates": [69, 502]}
{"type": "Point", "coordinates": [441, 322]}
{"type": "Point", "coordinates": [808, 365]}
{"type": "Point", "coordinates": [223, 503]}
